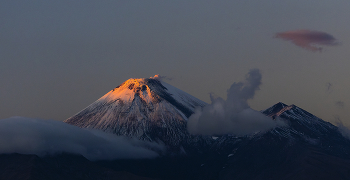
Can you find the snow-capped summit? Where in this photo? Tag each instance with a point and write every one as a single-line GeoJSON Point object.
{"type": "Point", "coordinates": [146, 108]}
{"type": "Point", "coordinates": [306, 127]}
{"type": "Point", "coordinates": [298, 118]}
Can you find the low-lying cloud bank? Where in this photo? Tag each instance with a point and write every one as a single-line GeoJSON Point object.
{"type": "Point", "coordinates": [308, 39]}
{"type": "Point", "coordinates": [233, 116]}
{"type": "Point", "coordinates": [41, 137]}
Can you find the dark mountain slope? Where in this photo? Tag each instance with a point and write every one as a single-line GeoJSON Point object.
{"type": "Point", "coordinates": [58, 167]}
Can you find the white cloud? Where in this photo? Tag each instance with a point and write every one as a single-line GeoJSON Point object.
{"type": "Point", "coordinates": [35, 136]}
{"type": "Point", "coordinates": [233, 115]}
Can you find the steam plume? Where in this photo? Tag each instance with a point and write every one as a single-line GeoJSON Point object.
{"type": "Point", "coordinates": [233, 115]}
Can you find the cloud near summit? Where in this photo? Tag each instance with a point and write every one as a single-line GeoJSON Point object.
{"type": "Point", "coordinates": [310, 40]}
{"type": "Point", "coordinates": [233, 115]}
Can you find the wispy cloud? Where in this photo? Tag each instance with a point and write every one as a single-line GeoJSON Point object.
{"type": "Point", "coordinates": [233, 115]}
{"type": "Point", "coordinates": [310, 40]}
{"type": "Point", "coordinates": [339, 104]}
{"type": "Point", "coordinates": [329, 88]}
{"type": "Point", "coordinates": [41, 137]}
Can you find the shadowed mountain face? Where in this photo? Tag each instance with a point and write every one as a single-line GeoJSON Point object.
{"type": "Point", "coordinates": [146, 109]}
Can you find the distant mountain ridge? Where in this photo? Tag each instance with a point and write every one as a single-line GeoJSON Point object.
{"type": "Point", "coordinates": [301, 121]}
{"type": "Point", "coordinates": [307, 148]}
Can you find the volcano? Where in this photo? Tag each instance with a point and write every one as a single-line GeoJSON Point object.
{"type": "Point", "coordinates": [147, 109]}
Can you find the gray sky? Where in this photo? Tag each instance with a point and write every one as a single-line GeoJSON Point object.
{"type": "Point", "coordinates": [57, 57]}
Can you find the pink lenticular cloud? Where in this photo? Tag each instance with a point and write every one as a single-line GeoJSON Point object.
{"type": "Point", "coordinates": [310, 40]}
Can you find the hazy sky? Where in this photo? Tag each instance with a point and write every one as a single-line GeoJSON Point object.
{"type": "Point", "coordinates": [57, 57]}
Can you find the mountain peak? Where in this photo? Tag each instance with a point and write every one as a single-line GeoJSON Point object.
{"type": "Point", "coordinates": [136, 81]}
{"type": "Point", "coordinates": [137, 84]}
{"type": "Point", "coordinates": [298, 118]}
{"type": "Point", "coordinates": [144, 108]}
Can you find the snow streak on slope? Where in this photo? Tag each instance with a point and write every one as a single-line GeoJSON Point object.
{"type": "Point", "coordinates": [147, 109]}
